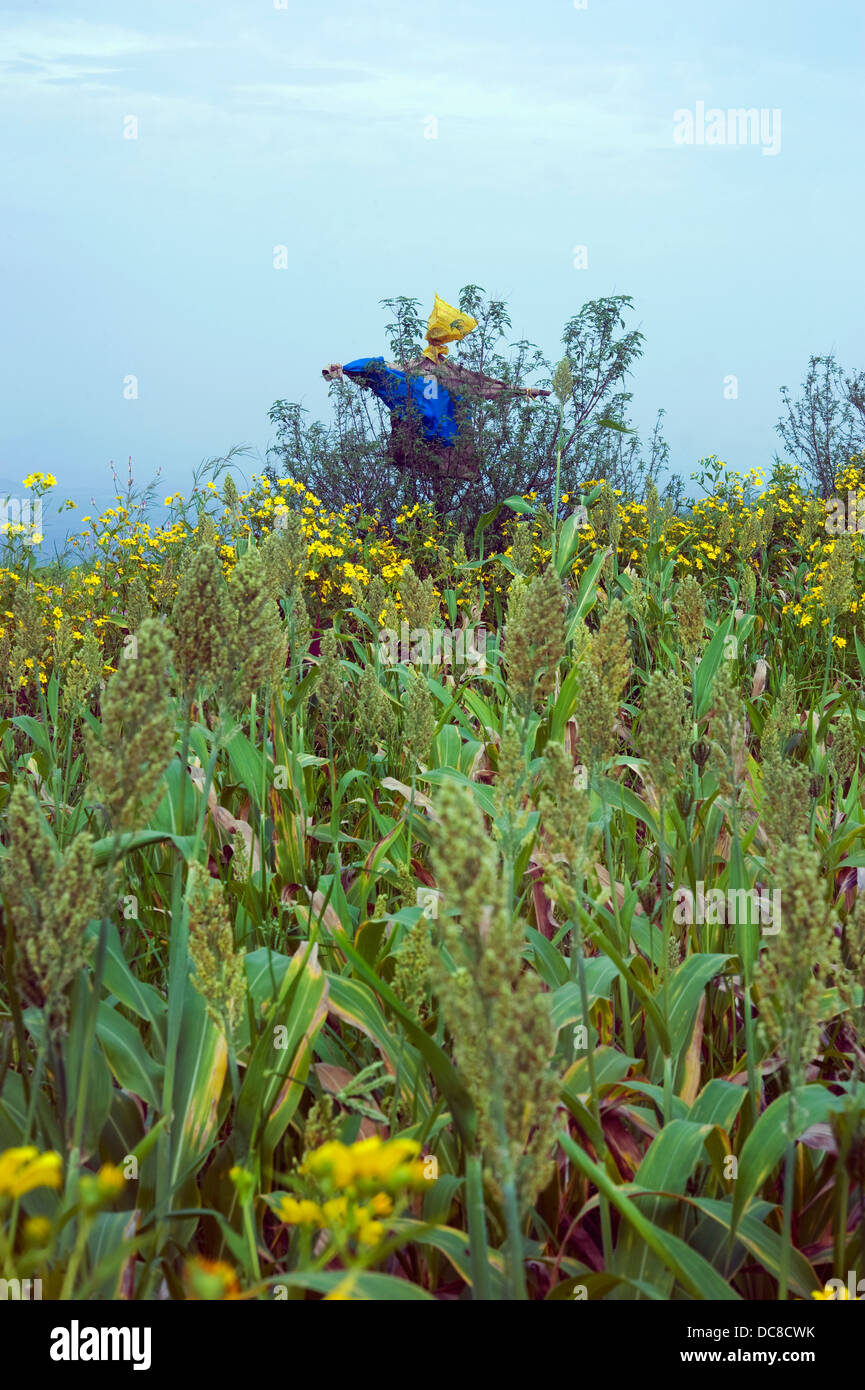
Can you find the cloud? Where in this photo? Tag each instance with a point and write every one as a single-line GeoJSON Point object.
{"type": "Point", "coordinates": [71, 50]}
{"type": "Point", "coordinates": [244, 74]}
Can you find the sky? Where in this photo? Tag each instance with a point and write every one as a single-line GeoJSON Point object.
{"type": "Point", "coordinates": [155, 156]}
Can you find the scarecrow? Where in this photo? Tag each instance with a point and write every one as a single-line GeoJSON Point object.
{"type": "Point", "coordinates": [429, 398]}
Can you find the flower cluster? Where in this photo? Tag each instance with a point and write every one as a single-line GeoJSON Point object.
{"type": "Point", "coordinates": [356, 1186]}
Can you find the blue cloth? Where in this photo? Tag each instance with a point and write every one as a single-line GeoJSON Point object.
{"type": "Point", "coordinates": [422, 399]}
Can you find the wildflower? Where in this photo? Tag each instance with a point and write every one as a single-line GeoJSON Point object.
{"type": "Point", "coordinates": [299, 1213]}
{"type": "Point", "coordinates": [368, 1164]}
{"type": "Point", "coordinates": [28, 643]}
{"type": "Point", "coordinates": [99, 1189]}
{"type": "Point", "coordinates": [210, 1280]}
{"type": "Point", "coordinates": [37, 1230]}
{"type": "Point", "coordinates": [24, 1169]}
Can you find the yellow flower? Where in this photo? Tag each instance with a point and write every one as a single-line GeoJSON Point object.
{"type": "Point", "coordinates": [370, 1232]}
{"type": "Point", "coordinates": [213, 1280]}
{"type": "Point", "coordinates": [23, 1169]}
{"type": "Point", "coordinates": [335, 1211]}
{"type": "Point", "coordinates": [37, 1230]}
{"type": "Point", "coordinates": [295, 1213]}
{"type": "Point", "coordinates": [332, 1159]}
{"type": "Point", "coordinates": [110, 1180]}
{"type": "Point", "coordinates": [840, 641]}
{"type": "Point", "coordinates": [39, 480]}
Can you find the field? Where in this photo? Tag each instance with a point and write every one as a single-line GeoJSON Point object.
{"type": "Point", "coordinates": [394, 914]}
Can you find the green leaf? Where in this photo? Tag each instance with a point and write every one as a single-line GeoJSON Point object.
{"type": "Point", "coordinates": [365, 1286]}
{"type": "Point", "coordinates": [765, 1145]}
{"type": "Point", "coordinates": [667, 1166]}
{"type": "Point", "coordinates": [119, 980]}
{"type": "Point", "coordinates": [459, 1100]}
{"type": "Point", "coordinates": [764, 1244]}
{"type": "Point", "coordinates": [455, 1246]}
{"type": "Point", "coordinates": [519, 504]}
{"type": "Point", "coordinates": [587, 595]}
{"type": "Point", "coordinates": [694, 1273]}
{"type": "Point", "coordinates": [274, 1079]}
{"type": "Point", "coordinates": [130, 1064]}
{"type": "Point", "coordinates": [718, 1103]}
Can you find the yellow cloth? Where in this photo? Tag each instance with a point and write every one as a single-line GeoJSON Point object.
{"type": "Point", "coordinates": [446, 325]}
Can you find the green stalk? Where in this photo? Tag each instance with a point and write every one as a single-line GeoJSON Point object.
{"type": "Point", "coordinates": [786, 1230]}
{"type": "Point", "coordinates": [624, 942]}
{"type": "Point", "coordinates": [665, 928]}
{"type": "Point", "coordinates": [477, 1224]}
{"type": "Point", "coordinates": [516, 1270]}
{"type": "Point", "coordinates": [558, 476]}
{"type": "Point", "coordinates": [594, 1100]}
{"type": "Point", "coordinates": [177, 971]}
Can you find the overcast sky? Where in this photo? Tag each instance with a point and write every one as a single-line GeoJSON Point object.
{"type": "Point", "coordinates": [306, 127]}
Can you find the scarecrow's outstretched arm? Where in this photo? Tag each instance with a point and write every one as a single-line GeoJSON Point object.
{"type": "Point", "coordinates": [470, 383]}
{"type": "Point", "coordinates": [332, 372]}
